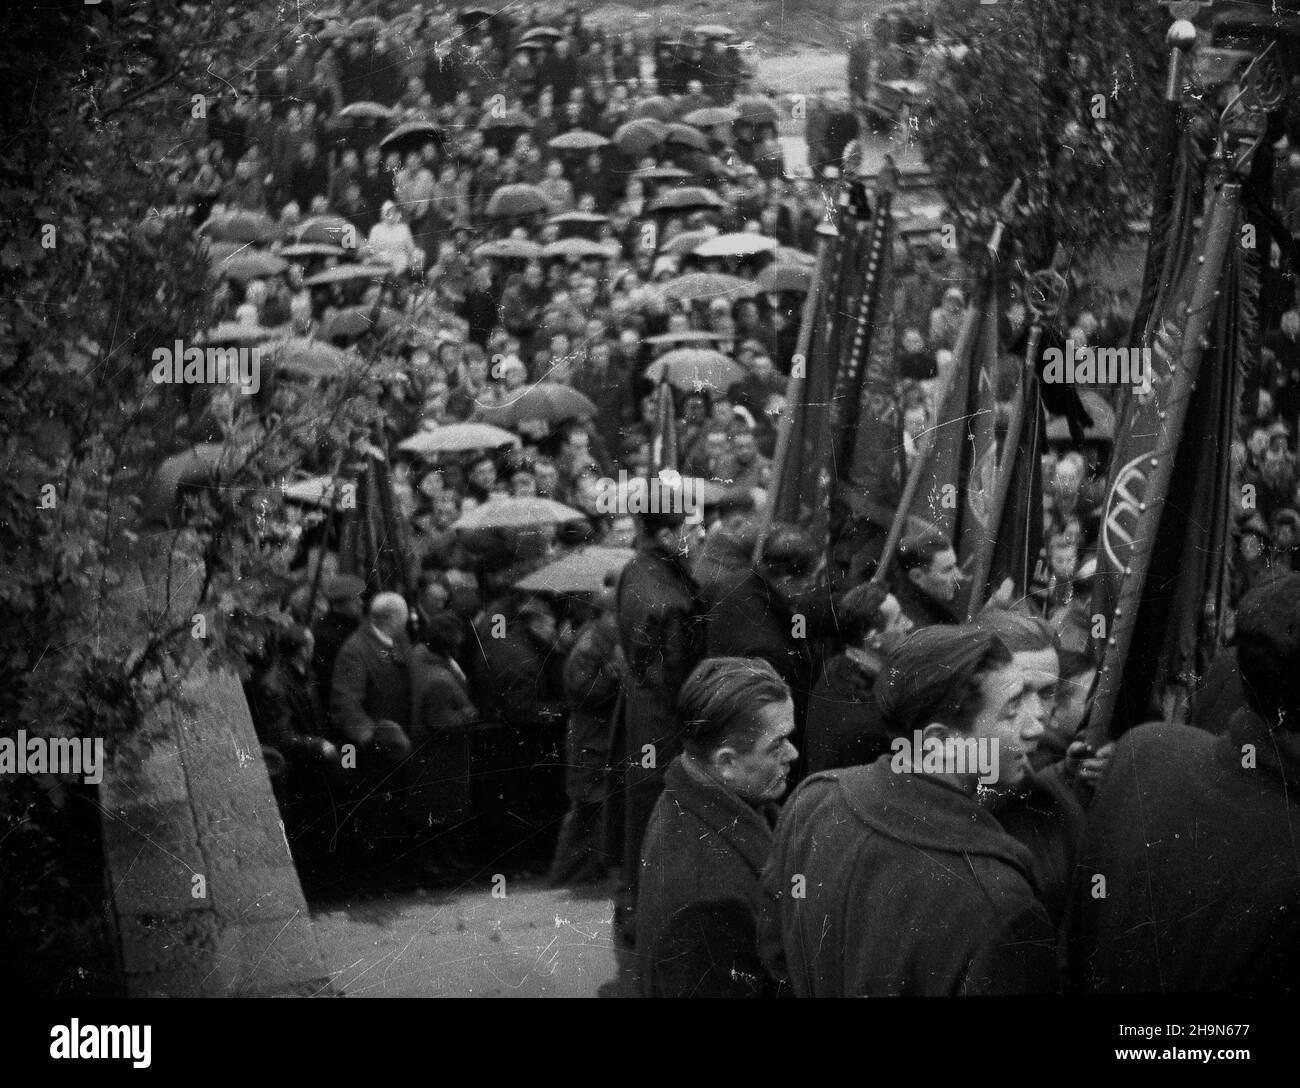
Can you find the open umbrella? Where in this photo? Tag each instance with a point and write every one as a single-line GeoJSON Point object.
{"type": "Point", "coordinates": [457, 438]}
{"type": "Point", "coordinates": [743, 244]}
{"type": "Point", "coordinates": [656, 106]}
{"type": "Point", "coordinates": [577, 140]}
{"type": "Point", "coordinates": [637, 137]}
{"type": "Point", "coordinates": [796, 278]}
{"type": "Point", "coordinates": [325, 229]}
{"type": "Point", "coordinates": [711, 116]}
{"type": "Point", "coordinates": [685, 136]}
{"type": "Point", "coordinates": [344, 273]}
{"type": "Point", "coordinates": [358, 320]}
{"type": "Point", "coordinates": [565, 219]}
{"type": "Point", "coordinates": [542, 32]}
{"type": "Point", "coordinates": [411, 134]}
{"type": "Point", "coordinates": [688, 196]}
{"type": "Point", "coordinates": [303, 250]}
{"type": "Point", "coordinates": [314, 491]}
{"type": "Point", "coordinates": [707, 286]}
{"type": "Point", "coordinates": [548, 402]}
{"type": "Point", "coordinates": [714, 30]}
{"type": "Point", "coordinates": [660, 173]}
{"type": "Point", "coordinates": [505, 119]}
{"type": "Point", "coordinates": [790, 255]}
{"type": "Point", "coordinates": [688, 336]}
{"type": "Point", "coordinates": [517, 199]}
{"type": "Point", "coordinates": [235, 332]}
{"type": "Point", "coordinates": [581, 571]}
{"type": "Point", "coordinates": [308, 358]}
{"type": "Point", "coordinates": [366, 111]}
{"type": "Point", "coordinates": [754, 110]}
{"type": "Point", "coordinates": [367, 24]}
{"type": "Point", "coordinates": [691, 369]}
{"type": "Point", "coordinates": [197, 468]}
{"type": "Point", "coordinates": [517, 249]}
{"type": "Point", "coordinates": [687, 242]}
{"type": "Point", "coordinates": [250, 265]}
{"type": "Point", "coordinates": [521, 513]}
{"type": "Point", "coordinates": [576, 248]}
{"type": "Point", "coordinates": [240, 226]}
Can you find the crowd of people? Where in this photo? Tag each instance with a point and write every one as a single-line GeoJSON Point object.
{"type": "Point", "coordinates": [498, 206]}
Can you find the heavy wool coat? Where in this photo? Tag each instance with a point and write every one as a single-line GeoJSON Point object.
{"type": "Point", "coordinates": [699, 896]}
{"type": "Point", "coordinates": [888, 884]}
{"type": "Point", "coordinates": [1195, 836]}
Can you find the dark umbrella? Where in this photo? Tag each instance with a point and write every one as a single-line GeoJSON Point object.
{"type": "Point", "coordinates": [688, 196]}
{"type": "Point", "coordinates": [326, 229]}
{"type": "Point", "coordinates": [352, 321]}
{"type": "Point", "coordinates": [575, 248]}
{"type": "Point", "coordinates": [311, 249]}
{"type": "Point", "coordinates": [308, 358]}
{"type": "Point", "coordinates": [240, 226]}
{"type": "Point", "coordinates": [250, 265]}
{"type": "Point", "coordinates": [548, 402]}
{"type": "Point", "coordinates": [578, 140]}
{"type": "Point", "coordinates": [411, 135]}
{"type": "Point", "coordinates": [509, 249]}
{"type": "Point", "coordinates": [506, 119]}
{"type": "Point", "coordinates": [196, 468]}
{"type": "Point", "coordinates": [660, 173]}
{"type": "Point", "coordinates": [656, 106]}
{"type": "Point", "coordinates": [688, 336]}
{"type": "Point", "coordinates": [538, 32]}
{"type": "Point", "coordinates": [711, 116]}
{"type": "Point", "coordinates": [755, 111]}
{"type": "Point", "coordinates": [518, 199]}
{"type": "Point", "coordinates": [346, 273]}
{"type": "Point", "coordinates": [685, 136]}
{"type": "Point", "coordinates": [637, 137]}
{"type": "Point", "coordinates": [795, 278]}
{"type": "Point", "coordinates": [579, 224]}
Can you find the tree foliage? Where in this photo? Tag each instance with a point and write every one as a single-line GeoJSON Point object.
{"type": "Point", "coordinates": [1062, 95]}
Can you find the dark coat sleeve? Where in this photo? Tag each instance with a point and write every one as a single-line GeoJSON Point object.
{"type": "Point", "coordinates": [440, 703]}
{"type": "Point", "coordinates": [708, 949]}
{"type": "Point", "coordinates": [347, 699]}
{"type": "Point", "coordinates": [591, 674]}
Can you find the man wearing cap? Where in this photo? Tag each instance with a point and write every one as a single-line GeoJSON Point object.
{"type": "Point", "coordinates": [891, 879]}
{"type": "Point", "coordinates": [1192, 838]}
{"type": "Point", "coordinates": [661, 629]}
{"type": "Point", "coordinates": [343, 592]}
{"type": "Point", "coordinates": [709, 837]}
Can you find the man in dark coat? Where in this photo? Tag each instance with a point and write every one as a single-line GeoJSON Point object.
{"type": "Point", "coordinates": [709, 837]}
{"type": "Point", "coordinates": [927, 588]}
{"type": "Point", "coordinates": [592, 682]}
{"type": "Point", "coordinates": [661, 630]}
{"type": "Point", "coordinates": [332, 630]}
{"type": "Point", "coordinates": [891, 879]}
{"type": "Point", "coordinates": [370, 698]}
{"type": "Point", "coordinates": [1193, 836]}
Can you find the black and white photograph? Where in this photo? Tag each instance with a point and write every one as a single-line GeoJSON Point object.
{"type": "Point", "coordinates": [777, 499]}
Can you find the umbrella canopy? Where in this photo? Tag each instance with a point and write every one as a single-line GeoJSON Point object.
{"type": "Point", "coordinates": [708, 286]}
{"type": "Point", "coordinates": [656, 106]}
{"type": "Point", "coordinates": [308, 358]}
{"type": "Point", "coordinates": [754, 110]}
{"type": "Point", "coordinates": [686, 136]}
{"type": "Point", "coordinates": [518, 199]}
{"type": "Point", "coordinates": [565, 219]}
{"type": "Point", "coordinates": [687, 242]}
{"type": "Point", "coordinates": [196, 468]}
{"type": "Point", "coordinates": [411, 134]}
{"type": "Point", "coordinates": [581, 571]}
{"type": "Point", "coordinates": [505, 119]}
{"type": "Point", "coordinates": [688, 196]}
{"type": "Point", "coordinates": [325, 229]}
{"type": "Point", "coordinates": [785, 277]}
{"type": "Point", "coordinates": [714, 30]}
{"type": "Point", "coordinates": [302, 250]}
{"type": "Point", "coordinates": [691, 369]}
{"type": "Point", "coordinates": [743, 244]}
{"type": "Point", "coordinates": [359, 320]}
{"type": "Point", "coordinates": [790, 255]}
{"type": "Point", "coordinates": [344, 273]}
{"type": "Point", "coordinates": [250, 265]}
{"type": "Point", "coordinates": [234, 332]}
{"type": "Point", "coordinates": [548, 402]}
{"type": "Point", "coordinates": [689, 336]}
{"type": "Point", "coordinates": [367, 24]}
{"type": "Point", "coordinates": [542, 32]}
{"type": "Point", "coordinates": [316, 491]}
{"type": "Point", "coordinates": [366, 111]}
{"type": "Point", "coordinates": [458, 437]}
{"type": "Point", "coordinates": [523, 513]}
{"type": "Point", "coordinates": [660, 173]}
{"type": "Point", "coordinates": [240, 226]}
{"type": "Point", "coordinates": [519, 249]}
{"type": "Point", "coordinates": [637, 137]}
{"type": "Point", "coordinates": [577, 140]}
{"type": "Point", "coordinates": [711, 116]}
{"type": "Point", "coordinates": [575, 248]}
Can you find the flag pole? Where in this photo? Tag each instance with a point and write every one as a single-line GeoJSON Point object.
{"type": "Point", "coordinates": [796, 384]}
{"type": "Point", "coordinates": [960, 352]}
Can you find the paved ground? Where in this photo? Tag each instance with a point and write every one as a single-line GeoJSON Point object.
{"type": "Point", "coordinates": [533, 942]}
